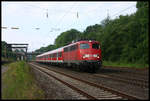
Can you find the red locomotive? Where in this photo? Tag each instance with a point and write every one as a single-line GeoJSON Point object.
{"type": "Point", "coordinates": [82, 55]}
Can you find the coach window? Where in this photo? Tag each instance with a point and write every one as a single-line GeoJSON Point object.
{"type": "Point", "coordinates": [55, 55]}
{"type": "Point", "coordinates": [66, 49]}
{"type": "Point", "coordinates": [71, 48]}
{"type": "Point", "coordinates": [84, 46]}
{"type": "Point", "coordinates": [59, 54]}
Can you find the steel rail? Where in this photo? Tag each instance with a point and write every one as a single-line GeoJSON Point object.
{"type": "Point", "coordinates": [140, 84]}
{"type": "Point", "coordinates": [139, 80]}
{"type": "Point", "coordinates": [127, 69]}
{"type": "Point", "coordinates": [67, 84]}
{"type": "Point", "coordinates": [98, 86]}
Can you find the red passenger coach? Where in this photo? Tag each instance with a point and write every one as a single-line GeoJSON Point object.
{"type": "Point", "coordinates": [54, 56]}
{"type": "Point", "coordinates": [83, 55]}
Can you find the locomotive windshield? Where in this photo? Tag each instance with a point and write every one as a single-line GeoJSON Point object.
{"type": "Point", "coordinates": [84, 46]}
{"type": "Point", "coordinates": [95, 46]}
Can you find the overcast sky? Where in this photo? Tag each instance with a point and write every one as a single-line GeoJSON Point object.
{"type": "Point", "coordinates": [40, 23]}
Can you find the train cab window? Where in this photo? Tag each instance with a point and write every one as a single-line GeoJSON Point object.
{"type": "Point", "coordinates": [95, 46]}
{"type": "Point", "coordinates": [84, 46]}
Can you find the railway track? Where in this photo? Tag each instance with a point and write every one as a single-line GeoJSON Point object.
{"type": "Point", "coordinates": [88, 89]}
{"type": "Point", "coordinates": [129, 75]}
{"type": "Point", "coordinates": [139, 72]}
{"type": "Point", "coordinates": [138, 82]}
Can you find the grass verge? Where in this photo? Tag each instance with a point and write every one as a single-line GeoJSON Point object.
{"type": "Point", "coordinates": [120, 64]}
{"type": "Point", "coordinates": [18, 83]}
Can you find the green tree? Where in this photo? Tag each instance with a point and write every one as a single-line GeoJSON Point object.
{"type": "Point", "coordinates": [67, 37]}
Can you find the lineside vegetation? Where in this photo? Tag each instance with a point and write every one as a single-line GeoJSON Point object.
{"type": "Point", "coordinates": [18, 83]}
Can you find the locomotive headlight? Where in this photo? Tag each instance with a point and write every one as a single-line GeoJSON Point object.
{"type": "Point", "coordinates": [86, 55]}
{"type": "Point", "coordinates": [95, 55]}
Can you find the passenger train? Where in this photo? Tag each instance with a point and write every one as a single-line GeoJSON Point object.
{"type": "Point", "coordinates": [84, 55]}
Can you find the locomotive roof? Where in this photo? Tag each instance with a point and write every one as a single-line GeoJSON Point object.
{"type": "Point", "coordinates": [80, 42]}
{"type": "Point", "coordinates": [61, 48]}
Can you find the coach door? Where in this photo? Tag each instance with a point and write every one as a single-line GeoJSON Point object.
{"type": "Point", "coordinates": [57, 57]}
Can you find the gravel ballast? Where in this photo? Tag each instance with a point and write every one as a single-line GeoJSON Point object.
{"type": "Point", "coordinates": [53, 88]}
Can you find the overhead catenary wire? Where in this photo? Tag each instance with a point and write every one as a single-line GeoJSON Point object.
{"type": "Point", "coordinates": [123, 10]}
{"type": "Point", "coordinates": [45, 9]}
{"type": "Point", "coordinates": [126, 9]}
{"type": "Point", "coordinates": [37, 7]}
{"type": "Point", "coordinates": [47, 15]}
{"type": "Point", "coordinates": [77, 13]}
{"type": "Point", "coordinates": [34, 7]}
{"type": "Point", "coordinates": [107, 12]}
{"type": "Point", "coordinates": [119, 11]}
{"type": "Point", "coordinates": [60, 21]}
